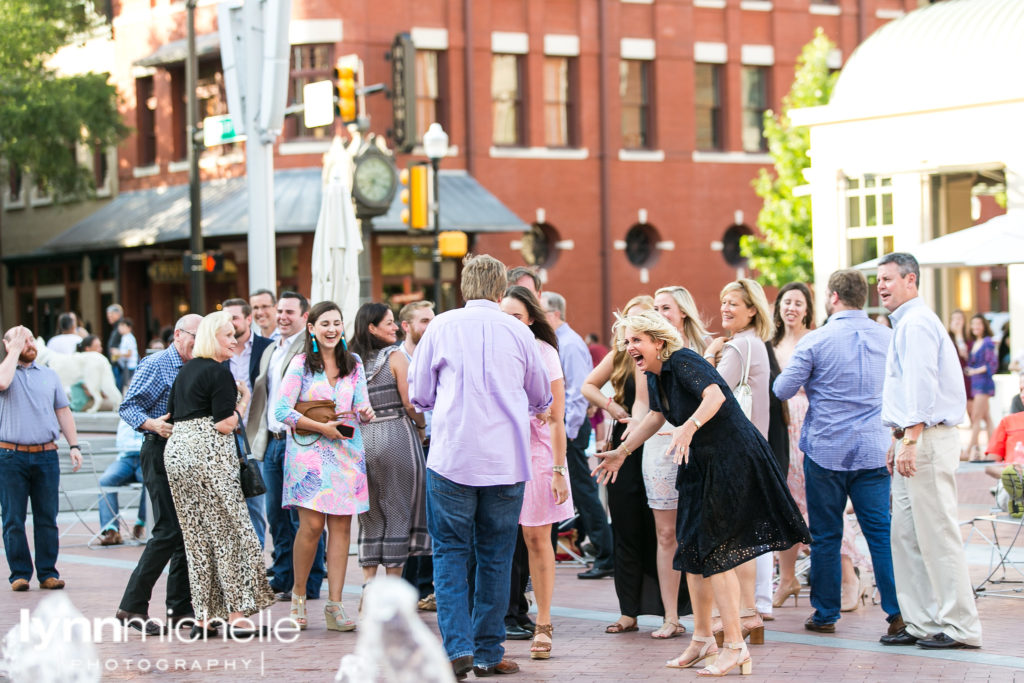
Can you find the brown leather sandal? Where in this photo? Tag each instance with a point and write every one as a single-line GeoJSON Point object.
{"type": "Point", "coordinates": [619, 627]}
{"type": "Point", "coordinates": [541, 650]}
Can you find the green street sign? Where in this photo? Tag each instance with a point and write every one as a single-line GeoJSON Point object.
{"type": "Point", "coordinates": [220, 130]}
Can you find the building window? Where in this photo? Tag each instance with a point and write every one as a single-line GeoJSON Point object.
{"type": "Point", "coordinates": [507, 99]}
{"type": "Point", "coordinates": [755, 103]}
{"type": "Point", "coordinates": [145, 120]}
{"type": "Point", "coordinates": [869, 218]}
{"type": "Point", "coordinates": [642, 245]}
{"type": "Point", "coordinates": [429, 88]}
{"type": "Point", "coordinates": [13, 197]}
{"type": "Point", "coordinates": [635, 95]}
{"type": "Point", "coordinates": [708, 103]}
{"type": "Point", "coordinates": [309, 64]}
{"type": "Point", "coordinates": [179, 108]}
{"type": "Point", "coordinates": [558, 105]}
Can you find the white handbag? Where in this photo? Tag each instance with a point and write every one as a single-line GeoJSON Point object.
{"type": "Point", "coordinates": [743, 394]}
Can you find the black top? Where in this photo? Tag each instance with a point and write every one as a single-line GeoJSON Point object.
{"type": "Point", "coordinates": [734, 503]}
{"type": "Point", "coordinates": [203, 388]}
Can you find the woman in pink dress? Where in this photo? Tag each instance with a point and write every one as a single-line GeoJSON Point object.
{"type": "Point", "coordinates": [325, 474]}
{"type": "Point", "coordinates": [546, 500]}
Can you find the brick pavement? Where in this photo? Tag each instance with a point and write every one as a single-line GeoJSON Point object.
{"type": "Point", "coordinates": [582, 652]}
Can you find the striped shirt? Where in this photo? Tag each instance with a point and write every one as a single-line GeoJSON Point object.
{"type": "Point", "coordinates": [842, 368]}
{"type": "Point", "coordinates": [151, 387]}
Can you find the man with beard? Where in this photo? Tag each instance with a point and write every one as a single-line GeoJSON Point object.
{"type": "Point", "coordinates": [33, 412]}
{"type": "Point", "coordinates": [419, 569]}
{"type": "Point", "coordinates": [245, 367]}
{"type": "Point", "coordinates": [842, 368]}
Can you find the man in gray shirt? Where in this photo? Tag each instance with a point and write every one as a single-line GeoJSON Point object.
{"type": "Point", "coordinates": [33, 412]}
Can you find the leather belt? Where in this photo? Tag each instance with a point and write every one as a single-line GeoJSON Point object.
{"type": "Point", "coordinates": [29, 448]}
{"type": "Point", "coordinates": [277, 436]}
{"type": "Point", "coordinates": [153, 437]}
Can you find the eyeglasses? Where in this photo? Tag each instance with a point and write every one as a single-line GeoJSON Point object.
{"type": "Point", "coordinates": [192, 333]}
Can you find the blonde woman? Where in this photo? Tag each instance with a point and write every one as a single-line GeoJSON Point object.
{"type": "Point", "coordinates": [225, 562]}
{"type": "Point", "coordinates": [677, 306]}
{"type": "Point", "coordinates": [739, 353]}
{"type": "Point", "coordinates": [733, 500]}
{"type": "Point", "coordinates": [636, 564]}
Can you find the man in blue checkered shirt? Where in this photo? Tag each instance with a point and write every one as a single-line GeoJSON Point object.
{"type": "Point", "coordinates": [842, 368]}
{"type": "Point", "coordinates": [145, 409]}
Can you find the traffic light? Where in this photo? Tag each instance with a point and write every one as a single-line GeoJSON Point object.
{"type": "Point", "coordinates": [453, 243]}
{"type": "Point", "coordinates": [415, 196]}
{"type": "Point", "coordinates": [214, 262]}
{"type": "Point", "coordinates": [345, 88]}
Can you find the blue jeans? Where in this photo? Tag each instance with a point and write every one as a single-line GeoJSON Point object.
{"type": "Point", "coordinates": [283, 525]}
{"type": "Point", "coordinates": [25, 477]}
{"type": "Point", "coordinates": [456, 515]}
{"type": "Point", "coordinates": [827, 491]}
{"type": "Point", "coordinates": [125, 470]}
{"type": "Point", "coordinates": [256, 506]}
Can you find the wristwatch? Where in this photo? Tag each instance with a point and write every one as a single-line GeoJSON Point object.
{"type": "Point", "coordinates": [907, 441]}
{"type": "Point", "coordinates": [561, 469]}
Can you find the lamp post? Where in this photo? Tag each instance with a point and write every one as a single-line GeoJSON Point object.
{"type": "Point", "coordinates": [435, 144]}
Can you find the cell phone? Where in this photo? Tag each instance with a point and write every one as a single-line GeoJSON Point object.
{"type": "Point", "coordinates": [347, 431]}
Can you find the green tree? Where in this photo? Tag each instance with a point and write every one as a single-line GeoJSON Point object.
{"type": "Point", "coordinates": [782, 253]}
{"type": "Point", "coordinates": [43, 114]}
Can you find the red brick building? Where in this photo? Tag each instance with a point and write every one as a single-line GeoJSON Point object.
{"type": "Point", "coordinates": [625, 132]}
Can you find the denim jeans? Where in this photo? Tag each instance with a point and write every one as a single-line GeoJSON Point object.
{"type": "Point", "coordinates": [458, 515]}
{"type": "Point", "coordinates": [125, 470]}
{"type": "Point", "coordinates": [827, 491]}
{"type": "Point", "coordinates": [256, 506]}
{"type": "Point", "coordinates": [283, 525]}
{"type": "Point", "coordinates": [24, 477]}
{"type": "Point", "coordinates": [586, 496]}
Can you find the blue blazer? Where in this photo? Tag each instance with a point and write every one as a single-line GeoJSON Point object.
{"type": "Point", "coordinates": [259, 344]}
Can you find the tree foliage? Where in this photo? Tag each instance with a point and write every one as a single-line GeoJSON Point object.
{"type": "Point", "coordinates": [43, 114]}
{"type": "Point", "coordinates": [782, 253]}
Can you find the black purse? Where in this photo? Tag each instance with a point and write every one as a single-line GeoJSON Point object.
{"type": "Point", "coordinates": [249, 475]}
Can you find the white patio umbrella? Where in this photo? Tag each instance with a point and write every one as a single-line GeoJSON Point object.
{"type": "Point", "coordinates": [337, 242]}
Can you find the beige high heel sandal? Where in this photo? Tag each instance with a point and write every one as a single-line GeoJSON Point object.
{"type": "Point", "coordinates": [297, 613]}
{"type": "Point", "coordinates": [703, 655]}
{"type": "Point", "coordinates": [743, 662]}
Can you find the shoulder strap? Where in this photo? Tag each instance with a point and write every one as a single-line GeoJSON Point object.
{"type": "Point", "coordinates": [746, 368]}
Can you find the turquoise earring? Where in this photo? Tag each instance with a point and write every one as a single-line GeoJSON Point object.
{"type": "Point", "coordinates": [315, 349]}
{"type": "Point", "coordinates": [344, 346]}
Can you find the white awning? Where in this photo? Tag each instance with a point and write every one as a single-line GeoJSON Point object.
{"type": "Point", "coordinates": [998, 241]}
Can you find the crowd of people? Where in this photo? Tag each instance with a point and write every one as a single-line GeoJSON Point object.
{"type": "Point", "coordinates": [461, 442]}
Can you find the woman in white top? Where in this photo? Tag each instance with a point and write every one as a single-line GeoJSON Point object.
{"type": "Point", "coordinates": [741, 354]}
{"type": "Point", "coordinates": [677, 306]}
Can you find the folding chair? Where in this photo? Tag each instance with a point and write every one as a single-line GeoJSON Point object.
{"type": "Point", "coordinates": [96, 494]}
{"type": "Point", "coordinates": [1004, 557]}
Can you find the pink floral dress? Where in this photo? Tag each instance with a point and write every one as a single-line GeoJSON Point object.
{"type": "Point", "coordinates": [539, 506]}
{"type": "Point", "coordinates": [326, 476]}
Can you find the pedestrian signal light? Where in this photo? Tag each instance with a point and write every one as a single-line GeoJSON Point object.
{"type": "Point", "coordinates": [414, 196]}
{"type": "Point", "coordinates": [213, 262]}
{"type": "Point", "coordinates": [453, 243]}
{"type": "Point", "coordinates": [345, 87]}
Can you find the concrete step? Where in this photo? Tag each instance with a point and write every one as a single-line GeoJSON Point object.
{"type": "Point", "coordinates": [101, 421]}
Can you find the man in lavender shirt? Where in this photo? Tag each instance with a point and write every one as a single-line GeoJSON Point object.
{"type": "Point", "coordinates": [479, 370]}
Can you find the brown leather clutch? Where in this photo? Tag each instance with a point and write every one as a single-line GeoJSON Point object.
{"type": "Point", "coordinates": [321, 411]}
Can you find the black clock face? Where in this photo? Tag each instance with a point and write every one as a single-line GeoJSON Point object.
{"type": "Point", "coordinates": [374, 180]}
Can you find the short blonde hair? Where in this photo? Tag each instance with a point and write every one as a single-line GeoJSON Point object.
{"type": "Point", "coordinates": [206, 334]}
{"type": "Point", "coordinates": [654, 326]}
{"type": "Point", "coordinates": [753, 296]}
{"type": "Point", "coordinates": [694, 332]}
{"type": "Point", "coordinates": [483, 277]}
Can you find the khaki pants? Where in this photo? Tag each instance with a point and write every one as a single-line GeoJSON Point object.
{"type": "Point", "coordinates": [932, 583]}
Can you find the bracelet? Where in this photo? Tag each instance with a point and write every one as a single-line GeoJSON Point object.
{"type": "Point", "coordinates": [560, 469]}
{"type": "Point", "coordinates": [609, 402]}
{"type": "Point", "coordinates": [695, 421]}
{"type": "Point", "coordinates": [75, 446]}
{"type": "Point", "coordinates": [626, 450]}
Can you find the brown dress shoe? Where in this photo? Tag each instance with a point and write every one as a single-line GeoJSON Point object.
{"type": "Point", "coordinates": [505, 666]}
{"type": "Point", "coordinates": [461, 666]}
{"type": "Point", "coordinates": [139, 532]}
{"type": "Point", "coordinates": [110, 537]}
{"type": "Point", "coordinates": [52, 584]}
{"type": "Point", "coordinates": [19, 585]}
{"type": "Point", "coordinates": [896, 625]}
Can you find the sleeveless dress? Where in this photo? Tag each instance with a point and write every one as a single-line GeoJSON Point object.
{"type": "Point", "coordinates": [395, 526]}
{"type": "Point", "coordinates": [539, 506]}
{"type": "Point", "coordinates": [734, 504]}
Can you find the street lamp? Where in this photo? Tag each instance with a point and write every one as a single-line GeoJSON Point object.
{"type": "Point", "coordinates": [435, 144]}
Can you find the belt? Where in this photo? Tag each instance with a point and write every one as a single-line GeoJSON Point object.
{"type": "Point", "coordinates": [153, 437]}
{"type": "Point", "coordinates": [277, 436]}
{"type": "Point", "coordinates": [29, 448]}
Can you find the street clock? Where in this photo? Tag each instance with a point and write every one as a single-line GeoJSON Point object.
{"type": "Point", "coordinates": [374, 182]}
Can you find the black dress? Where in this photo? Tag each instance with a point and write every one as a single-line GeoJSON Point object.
{"type": "Point", "coordinates": [634, 538]}
{"type": "Point", "coordinates": [734, 504]}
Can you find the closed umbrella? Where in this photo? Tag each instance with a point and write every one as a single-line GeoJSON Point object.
{"type": "Point", "coordinates": [337, 243]}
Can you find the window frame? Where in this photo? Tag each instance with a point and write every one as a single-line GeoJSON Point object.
{"type": "Point", "coordinates": [645, 107]}
{"type": "Point", "coordinates": [440, 101]}
{"type": "Point", "coordinates": [145, 122]}
{"type": "Point", "coordinates": [748, 110]}
{"type": "Point", "coordinates": [567, 105]}
{"type": "Point", "coordinates": [294, 130]}
{"type": "Point", "coordinates": [518, 101]}
{"type": "Point", "coordinates": [715, 111]}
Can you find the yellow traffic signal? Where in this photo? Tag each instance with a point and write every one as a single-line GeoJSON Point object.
{"type": "Point", "coordinates": [453, 243]}
{"type": "Point", "coordinates": [345, 89]}
{"type": "Point", "coordinates": [414, 196]}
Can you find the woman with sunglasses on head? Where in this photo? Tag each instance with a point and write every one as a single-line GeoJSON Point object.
{"type": "Point", "coordinates": [395, 526]}
{"type": "Point", "coordinates": [325, 473]}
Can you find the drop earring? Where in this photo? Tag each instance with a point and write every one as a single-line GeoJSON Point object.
{"type": "Point", "coordinates": [344, 346]}
{"type": "Point", "coordinates": [315, 349]}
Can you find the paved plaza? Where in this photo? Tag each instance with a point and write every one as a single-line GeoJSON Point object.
{"type": "Point", "coordinates": [582, 651]}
